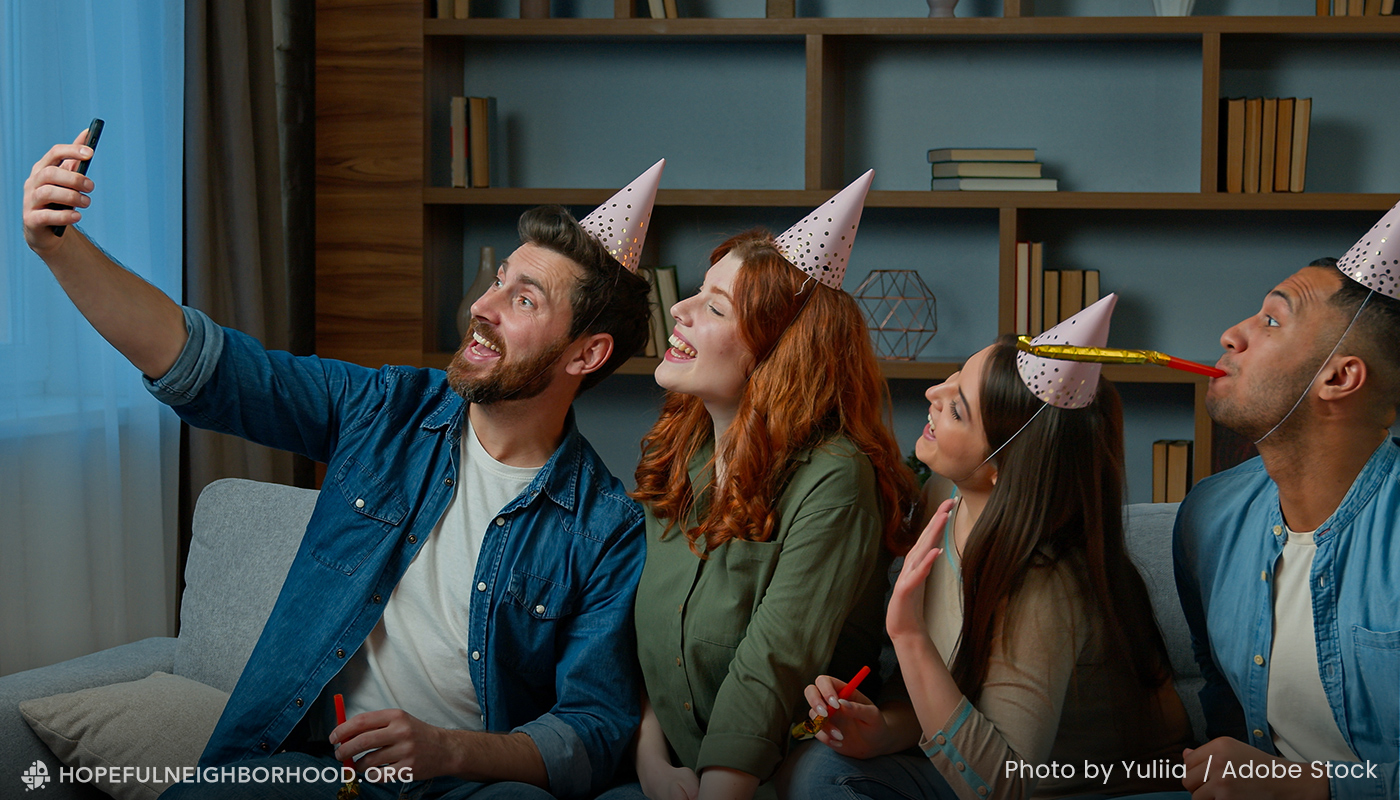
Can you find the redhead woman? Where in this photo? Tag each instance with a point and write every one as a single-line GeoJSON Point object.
{"type": "Point", "coordinates": [1023, 631]}
{"type": "Point", "coordinates": [770, 483]}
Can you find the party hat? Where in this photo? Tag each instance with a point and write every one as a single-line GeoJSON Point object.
{"type": "Point", "coordinates": [820, 244]}
{"type": "Point", "coordinates": [1069, 384]}
{"type": "Point", "coordinates": [1374, 261]}
{"type": "Point", "coordinates": [621, 223]}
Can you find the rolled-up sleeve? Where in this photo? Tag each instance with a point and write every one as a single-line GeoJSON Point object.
{"type": "Point", "coordinates": [196, 362]}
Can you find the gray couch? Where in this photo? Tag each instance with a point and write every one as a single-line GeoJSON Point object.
{"type": "Point", "coordinates": [245, 536]}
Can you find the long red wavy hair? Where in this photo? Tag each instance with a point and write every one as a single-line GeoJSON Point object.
{"type": "Point", "coordinates": [815, 378]}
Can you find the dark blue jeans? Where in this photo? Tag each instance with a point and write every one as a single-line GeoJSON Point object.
{"type": "Point", "coordinates": [315, 767]}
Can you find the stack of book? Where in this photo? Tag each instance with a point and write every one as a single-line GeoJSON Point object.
{"type": "Point", "coordinates": [1264, 143]}
{"type": "Point", "coordinates": [477, 156]}
{"type": "Point", "coordinates": [1354, 8]}
{"type": "Point", "coordinates": [1045, 297]}
{"type": "Point", "coordinates": [988, 170]}
{"type": "Point", "coordinates": [665, 292]}
{"type": "Point", "coordinates": [1171, 471]}
{"type": "Point", "coordinates": [662, 9]}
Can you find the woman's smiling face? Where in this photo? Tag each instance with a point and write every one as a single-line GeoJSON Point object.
{"type": "Point", "coordinates": [707, 357]}
{"type": "Point", "coordinates": [954, 443]}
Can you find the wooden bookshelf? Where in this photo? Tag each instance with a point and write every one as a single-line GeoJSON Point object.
{"type": "Point", "coordinates": [1087, 201]}
{"type": "Point", "coordinates": [380, 67]}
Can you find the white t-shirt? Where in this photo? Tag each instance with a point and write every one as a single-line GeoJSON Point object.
{"type": "Point", "coordinates": [1300, 717]}
{"type": "Point", "coordinates": [416, 657]}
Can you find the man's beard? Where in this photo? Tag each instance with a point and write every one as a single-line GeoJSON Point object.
{"type": "Point", "coordinates": [508, 379]}
{"type": "Point", "coordinates": [1255, 416]}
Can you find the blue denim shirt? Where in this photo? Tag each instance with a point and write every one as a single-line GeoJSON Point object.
{"type": "Point", "coordinates": [1229, 534]}
{"type": "Point", "coordinates": [550, 628]}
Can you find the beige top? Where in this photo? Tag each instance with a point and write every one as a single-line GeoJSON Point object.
{"type": "Point", "coordinates": [1049, 698]}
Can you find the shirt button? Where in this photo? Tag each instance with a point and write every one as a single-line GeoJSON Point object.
{"type": "Point", "coordinates": [940, 739]}
{"type": "Point", "coordinates": [412, 539]}
{"type": "Point", "coordinates": [961, 766]}
{"type": "Point", "coordinates": [1263, 575]}
{"type": "Point", "coordinates": [378, 599]}
{"type": "Point", "coordinates": [1258, 733]}
{"type": "Point", "coordinates": [1259, 660]}
{"type": "Point", "coordinates": [982, 790]}
{"type": "Point", "coordinates": [539, 609]}
{"type": "Point", "coordinates": [299, 703]}
{"type": "Point", "coordinates": [481, 586]}
{"type": "Point", "coordinates": [678, 661]}
{"type": "Point", "coordinates": [476, 655]}
{"type": "Point", "coordinates": [359, 502]}
{"type": "Point", "coordinates": [1278, 529]}
{"type": "Point", "coordinates": [339, 653]}
{"type": "Point", "coordinates": [687, 706]}
{"type": "Point", "coordinates": [446, 481]}
{"type": "Point", "coordinates": [500, 521]}
{"type": "Point", "coordinates": [262, 746]}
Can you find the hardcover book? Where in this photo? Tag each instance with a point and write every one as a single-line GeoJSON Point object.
{"type": "Point", "coordinates": [986, 169]}
{"type": "Point", "coordinates": [981, 154]}
{"type": "Point", "coordinates": [995, 184]}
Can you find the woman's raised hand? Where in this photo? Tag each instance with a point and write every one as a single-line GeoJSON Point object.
{"type": "Point", "coordinates": [905, 614]}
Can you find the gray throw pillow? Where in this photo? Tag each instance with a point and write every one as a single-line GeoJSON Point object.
{"type": "Point", "coordinates": [157, 723]}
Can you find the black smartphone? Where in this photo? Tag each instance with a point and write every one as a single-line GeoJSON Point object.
{"type": "Point", "coordinates": [94, 133]}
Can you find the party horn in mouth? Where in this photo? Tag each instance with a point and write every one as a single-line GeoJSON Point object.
{"type": "Point", "coordinates": [1113, 355]}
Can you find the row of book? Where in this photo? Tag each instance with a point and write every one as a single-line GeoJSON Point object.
{"type": "Point", "coordinates": [1354, 8]}
{"type": "Point", "coordinates": [453, 9]}
{"type": "Point", "coordinates": [1171, 470]}
{"type": "Point", "coordinates": [665, 292]}
{"type": "Point", "coordinates": [476, 155]}
{"type": "Point", "coordinates": [1044, 297]}
{"type": "Point", "coordinates": [1264, 143]}
{"type": "Point", "coordinates": [988, 169]}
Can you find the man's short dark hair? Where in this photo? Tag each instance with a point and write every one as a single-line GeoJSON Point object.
{"type": "Point", "coordinates": [608, 298]}
{"type": "Point", "coordinates": [1376, 335]}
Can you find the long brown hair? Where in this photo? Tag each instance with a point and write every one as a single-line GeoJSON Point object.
{"type": "Point", "coordinates": [1058, 499]}
{"type": "Point", "coordinates": [815, 378]}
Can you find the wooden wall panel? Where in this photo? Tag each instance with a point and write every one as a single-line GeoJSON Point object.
{"type": "Point", "coordinates": [369, 178]}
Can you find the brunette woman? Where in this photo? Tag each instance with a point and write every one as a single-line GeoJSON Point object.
{"type": "Point", "coordinates": [1025, 635]}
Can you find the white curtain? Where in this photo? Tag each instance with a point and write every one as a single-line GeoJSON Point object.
{"type": "Point", "coordinates": [88, 461]}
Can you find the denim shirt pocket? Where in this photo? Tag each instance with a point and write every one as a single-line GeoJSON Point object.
{"type": "Point", "coordinates": [535, 605]}
{"type": "Point", "coordinates": [374, 506]}
{"type": "Point", "coordinates": [1378, 662]}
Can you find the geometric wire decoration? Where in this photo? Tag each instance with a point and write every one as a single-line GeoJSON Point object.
{"type": "Point", "coordinates": [900, 311]}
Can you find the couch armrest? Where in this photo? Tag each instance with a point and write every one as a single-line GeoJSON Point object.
{"type": "Point", "coordinates": [19, 747]}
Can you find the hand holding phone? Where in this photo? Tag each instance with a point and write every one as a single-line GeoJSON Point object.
{"type": "Point", "coordinates": [94, 132]}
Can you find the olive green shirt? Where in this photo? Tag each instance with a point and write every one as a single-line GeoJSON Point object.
{"type": "Point", "coordinates": [727, 644]}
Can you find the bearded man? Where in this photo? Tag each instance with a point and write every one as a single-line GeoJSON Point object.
{"type": "Point", "coordinates": [1288, 565]}
{"type": "Point", "coordinates": [467, 577]}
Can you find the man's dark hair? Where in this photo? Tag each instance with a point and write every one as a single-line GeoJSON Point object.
{"type": "Point", "coordinates": [608, 298]}
{"type": "Point", "coordinates": [1378, 342]}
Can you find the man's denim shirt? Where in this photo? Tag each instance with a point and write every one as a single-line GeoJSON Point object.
{"type": "Point", "coordinates": [1229, 534]}
{"type": "Point", "coordinates": [550, 628]}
